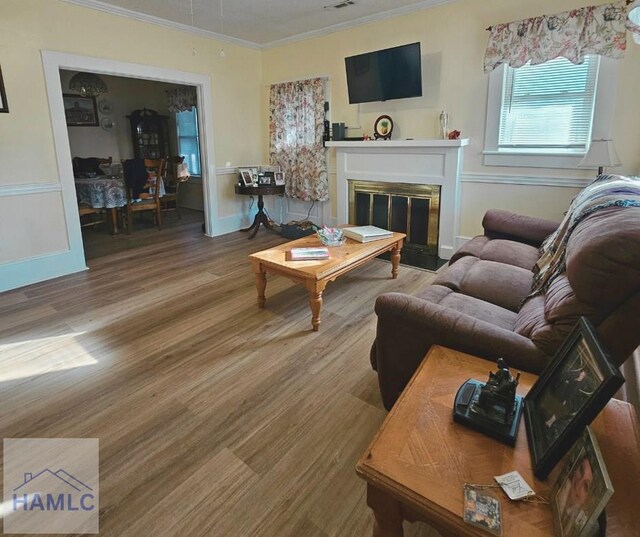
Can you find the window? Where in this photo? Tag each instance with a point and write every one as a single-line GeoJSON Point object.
{"type": "Point", "coordinates": [545, 115]}
{"type": "Point", "coordinates": [188, 143]}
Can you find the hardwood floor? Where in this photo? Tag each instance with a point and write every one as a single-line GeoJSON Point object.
{"type": "Point", "coordinates": [214, 418]}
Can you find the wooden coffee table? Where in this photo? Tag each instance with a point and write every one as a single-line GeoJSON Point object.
{"type": "Point", "coordinates": [416, 466]}
{"type": "Point", "coordinates": [315, 275]}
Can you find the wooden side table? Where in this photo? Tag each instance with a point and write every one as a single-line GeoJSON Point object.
{"type": "Point", "coordinates": [417, 464]}
{"type": "Point", "coordinates": [261, 217]}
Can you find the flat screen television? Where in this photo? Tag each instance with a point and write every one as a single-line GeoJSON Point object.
{"type": "Point", "coordinates": [392, 73]}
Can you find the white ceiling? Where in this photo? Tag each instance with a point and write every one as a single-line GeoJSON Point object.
{"type": "Point", "coordinates": [259, 23]}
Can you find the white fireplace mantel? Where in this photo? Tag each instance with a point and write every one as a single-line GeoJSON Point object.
{"type": "Point", "coordinates": [428, 162]}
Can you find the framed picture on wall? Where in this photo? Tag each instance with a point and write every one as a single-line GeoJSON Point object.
{"type": "Point", "coordinates": [80, 111]}
{"type": "Point", "coordinates": [4, 107]}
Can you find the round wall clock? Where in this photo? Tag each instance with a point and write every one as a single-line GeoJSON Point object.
{"type": "Point", "coordinates": [383, 127]}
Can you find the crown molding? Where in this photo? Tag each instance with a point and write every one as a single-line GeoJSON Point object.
{"type": "Point", "coordinates": [396, 12]}
{"type": "Point", "coordinates": [143, 17]}
{"type": "Point", "coordinates": [128, 13]}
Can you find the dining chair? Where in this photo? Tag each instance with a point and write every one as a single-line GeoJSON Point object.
{"type": "Point", "coordinates": [180, 175]}
{"type": "Point", "coordinates": [85, 209]}
{"type": "Point", "coordinates": [146, 196]}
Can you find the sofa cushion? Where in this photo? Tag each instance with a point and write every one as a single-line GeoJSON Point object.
{"type": "Point", "coordinates": [499, 250]}
{"type": "Point", "coordinates": [468, 305]}
{"type": "Point", "coordinates": [603, 257]}
{"type": "Point", "coordinates": [548, 319]}
{"type": "Point", "coordinates": [500, 284]}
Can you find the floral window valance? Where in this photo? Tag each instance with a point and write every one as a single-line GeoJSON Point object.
{"type": "Point", "coordinates": [573, 34]}
{"type": "Point", "coordinates": [182, 99]}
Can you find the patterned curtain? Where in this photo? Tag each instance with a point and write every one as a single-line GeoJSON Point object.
{"type": "Point", "coordinates": [181, 99]}
{"type": "Point", "coordinates": [295, 138]}
{"type": "Point", "coordinates": [589, 30]}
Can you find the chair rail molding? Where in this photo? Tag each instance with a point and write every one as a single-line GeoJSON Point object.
{"type": "Point", "coordinates": [29, 188]}
{"type": "Point", "coordinates": [528, 180]}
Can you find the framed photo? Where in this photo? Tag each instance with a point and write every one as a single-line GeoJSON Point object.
{"type": "Point", "coordinates": [279, 178]}
{"type": "Point", "coordinates": [383, 127]}
{"type": "Point", "coordinates": [264, 179]}
{"type": "Point", "coordinates": [582, 489]}
{"type": "Point", "coordinates": [4, 107]}
{"type": "Point", "coordinates": [246, 176]}
{"type": "Point", "coordinates": [80, 111]}
{"type": "Point", "coordinates": [568, 395]}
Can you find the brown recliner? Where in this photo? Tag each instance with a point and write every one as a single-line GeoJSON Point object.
{"type": "Point", "coordinates": [478, 304]}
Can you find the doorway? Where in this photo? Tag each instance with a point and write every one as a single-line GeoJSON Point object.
{"type": "Point", "coordinates": [53, 62]}
{"type": "Point", "coordinates": [131, 118]}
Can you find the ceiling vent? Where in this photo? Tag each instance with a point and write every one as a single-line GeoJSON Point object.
{"type": "Point", "coordinates": [340, 5]}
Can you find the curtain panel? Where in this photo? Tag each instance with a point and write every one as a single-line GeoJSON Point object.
{"type": "Point", "coordinates": [181, 99]}
{"type": "Point", "coordinates": [296, 116]}
{"type": "Point", "coordinates": [573, 34]}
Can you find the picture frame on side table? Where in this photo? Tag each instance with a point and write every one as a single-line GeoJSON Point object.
{"type": "Point", "coordinates": [80, 111]}
{"type": "Point", "coordinates": [279, 178]}
{"type": "Point", "coordinates": [571, 391]}
{"type": "Point", "coordinates": [582, 489]}
{"type": "Point", "coordinates": [4, 106]}
{"type": "Point", "coordinates": [246, 176]}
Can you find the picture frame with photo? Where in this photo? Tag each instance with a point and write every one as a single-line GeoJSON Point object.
{"type": "Point", "coordinates": [80, 111]}
{"type": "Point", "coordinates": [246, 176]}
{"type": "Point", "coordinates": [279, 178]}
{"type": "Point", "coordinates": [571, 391]}
{"type": "Point", "coordinates": [582, 490]}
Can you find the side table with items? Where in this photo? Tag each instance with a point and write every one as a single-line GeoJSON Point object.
{"type": "Point", "coordinates": [261, 216]}
{"type": "Point", "coordinates": [419, 461]}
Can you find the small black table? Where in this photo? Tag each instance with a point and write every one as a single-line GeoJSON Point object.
{"type": "Point", "coordinates": [261, 217]}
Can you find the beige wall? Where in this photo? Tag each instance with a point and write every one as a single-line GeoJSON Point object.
{"type": "Point", "coordinates": [26, 140]}
{"type": "Point", "coordinates": [453, 39]}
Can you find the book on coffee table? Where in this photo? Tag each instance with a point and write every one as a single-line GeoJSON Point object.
{"type": "Point", "coordinates": [304, 254]}
{"type": "Point", "coordinates": [367, 233]}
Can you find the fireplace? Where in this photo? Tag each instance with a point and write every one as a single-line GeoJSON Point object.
{"type": "Point", "coordinates": [408, 208]}
{"type": "Point", "coordinates": [426, 164]}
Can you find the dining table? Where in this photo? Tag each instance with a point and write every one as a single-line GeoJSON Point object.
{"type": "Point", "coordinates": [108, 192]}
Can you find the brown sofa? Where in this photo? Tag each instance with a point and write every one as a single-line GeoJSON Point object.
{"type": "Point", "coordinates": [478, 304]}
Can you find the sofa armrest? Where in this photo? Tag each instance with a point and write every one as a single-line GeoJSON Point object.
{"type": "Point", "coordinates": [500, 224]}
{"type": "Point", "coordinates": [408, 326]}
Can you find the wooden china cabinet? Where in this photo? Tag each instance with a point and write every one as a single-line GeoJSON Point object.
{"type": "Point", "coordinates": [149, 133]}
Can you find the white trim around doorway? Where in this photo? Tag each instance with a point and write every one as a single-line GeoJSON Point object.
{"type": "Point", "coordinates": [52, 63]}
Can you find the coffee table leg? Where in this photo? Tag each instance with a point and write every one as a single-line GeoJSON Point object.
{"type": "Point", "coordinates": [395, 259]}
{"type": "Point", "coordinates": [315, 302]}
{"type": "Point", "coordinates": [387, 514]}
{"type": "Point", "coordinates": [260, 278]}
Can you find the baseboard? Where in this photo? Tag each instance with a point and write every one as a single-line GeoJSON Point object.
{"type": "Point", "coordinates": [37, 269]}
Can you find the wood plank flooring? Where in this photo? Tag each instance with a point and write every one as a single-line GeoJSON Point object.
{"type": "Point", "coordinates": [214, 418]}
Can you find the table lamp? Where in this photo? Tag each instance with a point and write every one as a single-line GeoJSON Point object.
{"type": "Point", "coordinates": [601, 154]}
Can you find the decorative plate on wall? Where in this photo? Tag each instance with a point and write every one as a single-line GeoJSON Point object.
{"type": "Point", "coordinates": [105, 106]}
{"type": "Point", "coordinates": [107, 123]}
{"type": "Point", "coordinates": [383, 127]}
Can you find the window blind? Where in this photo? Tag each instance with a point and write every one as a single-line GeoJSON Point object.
{"type": "Point", "coordinates": [548, 107]}
{"type": "Point", "coordinates": [188, 144]}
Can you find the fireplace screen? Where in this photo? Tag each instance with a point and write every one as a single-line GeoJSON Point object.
{"type": "Point", "coordinates": [406, 208]}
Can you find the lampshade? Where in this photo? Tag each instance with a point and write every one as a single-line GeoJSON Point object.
{"type": "Point", "coordinates": [87, 84]}
{"type": "Point", "coordinates": [601, 154]}
{"type": "Point", "coordinates": [633, 20]}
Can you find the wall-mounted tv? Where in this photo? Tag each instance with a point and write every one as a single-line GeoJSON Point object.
{"type": "Point", "coordinates": [392, 73]}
